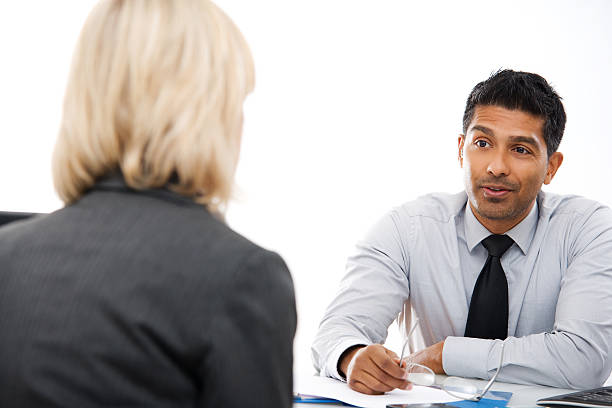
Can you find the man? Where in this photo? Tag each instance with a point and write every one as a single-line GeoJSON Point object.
{"type": "Point", "coordinates": [546, 284]}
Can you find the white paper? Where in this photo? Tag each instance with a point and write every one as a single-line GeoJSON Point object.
{"type": "Point", "coordinates": [338, 390]}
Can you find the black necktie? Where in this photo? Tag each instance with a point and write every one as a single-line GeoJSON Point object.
{"type": "Point", "coordinates": [488, 316]}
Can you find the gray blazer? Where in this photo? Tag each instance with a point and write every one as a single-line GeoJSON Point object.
{"type": "Point", "coordinates": [129, 299]}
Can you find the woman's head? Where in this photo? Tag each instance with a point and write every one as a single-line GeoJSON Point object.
{"type": "Point", "coordinates": [155, 91]}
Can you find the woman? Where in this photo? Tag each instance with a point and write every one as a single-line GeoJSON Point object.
{"type": "Point", "coordinates": [136, 293]}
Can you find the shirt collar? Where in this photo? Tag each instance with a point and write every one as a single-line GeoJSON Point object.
{"type": "Point", "coordinates": [522, 233]}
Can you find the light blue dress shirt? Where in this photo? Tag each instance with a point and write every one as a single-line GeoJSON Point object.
{"type": "Point", "coordinates": [424, 258]}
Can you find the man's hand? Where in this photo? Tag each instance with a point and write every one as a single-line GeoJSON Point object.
{"type": "Point", "coordinates": [430, 357]}
{"type": "Point", "coordinates": [373, 370]}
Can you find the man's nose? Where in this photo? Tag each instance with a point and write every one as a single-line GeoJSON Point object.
{"type": "Point", "coordinates": [498, 165]}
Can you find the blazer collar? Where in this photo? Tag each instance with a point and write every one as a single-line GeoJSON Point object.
{"type": "Point", "coordinates": [116, 182]}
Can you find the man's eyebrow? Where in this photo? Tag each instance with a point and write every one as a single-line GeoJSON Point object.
{"type": "Point", "coordinates": [482, 129]}
{"type": "Point", "coordinates": [525, 139]}
{"type": "Point", "coordinates": [512, 139]}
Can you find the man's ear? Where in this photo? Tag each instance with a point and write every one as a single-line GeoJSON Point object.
{"type": "Point", "coordinates": [554, 162]}
{"type": "Point", "coordinates": [460, 142]}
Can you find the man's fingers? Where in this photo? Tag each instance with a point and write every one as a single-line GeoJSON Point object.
{"type": "Point", "coordinates": [375, 382]}
{"type": "Point", "coordinates": [381, 380]}
{"type": "Point", "coordinates": [373, 370]}
{"type": "Point", "coordinates": [388, 382]}
{"type": "Point", "coordinates": [386, 364]}
{"type": "Point", "coordinates": [379, 383]}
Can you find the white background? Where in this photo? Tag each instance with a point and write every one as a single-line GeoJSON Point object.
{"type": "Point", "coordinates": [357, 109]}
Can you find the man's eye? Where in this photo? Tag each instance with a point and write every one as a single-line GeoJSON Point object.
{"type": "Point", "coordinates": [521, 150]}
{"type": "Point", "coordinates": [481, 143]}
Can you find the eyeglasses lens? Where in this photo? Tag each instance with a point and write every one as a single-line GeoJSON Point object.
{"type": "Point", "coordinates": [460, 387]}
{"type": "Point", "coordinates": [420, 375]}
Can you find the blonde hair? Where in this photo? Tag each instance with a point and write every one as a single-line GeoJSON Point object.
{"type": "Point", "coordinates": [155, 91]}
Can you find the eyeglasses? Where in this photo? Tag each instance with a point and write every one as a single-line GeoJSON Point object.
{"type": "Point", "coordinates": [457, 387]}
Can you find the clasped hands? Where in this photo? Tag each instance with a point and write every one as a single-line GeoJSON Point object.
{"type": "Point", "coordinates": [375, 369]}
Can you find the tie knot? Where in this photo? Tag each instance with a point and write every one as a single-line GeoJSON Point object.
{"type": "Point", "coordinates": [497, 244]}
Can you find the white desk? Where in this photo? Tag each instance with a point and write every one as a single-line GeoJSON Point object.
{"type": "Point", "coordinates": [522, 395]}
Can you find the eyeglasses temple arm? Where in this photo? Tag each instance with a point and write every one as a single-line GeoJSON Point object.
{"type": "Point", "coordinates": [492, 380]}
{"type": "Point", "coordinates": [414, 326]}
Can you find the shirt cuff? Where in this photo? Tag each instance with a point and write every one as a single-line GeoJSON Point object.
{"type": "Point", "coordinates": [331, 367]}
{"type": "Point", "coordinates": [466, 356]}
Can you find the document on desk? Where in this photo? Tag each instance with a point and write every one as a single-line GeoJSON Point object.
{"type": "Point", "coordinates": [338, 390]}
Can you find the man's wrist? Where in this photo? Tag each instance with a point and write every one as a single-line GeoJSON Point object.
{"type": "Point", "coordinates": [439, 358]}
{"type": "Point", "coordinates": [346, 357]}
{"type": "Point", "coordinates": [431, 357]}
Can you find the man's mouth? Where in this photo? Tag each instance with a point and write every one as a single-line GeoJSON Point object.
{"type": "Point", "coordinates": [496, 191]}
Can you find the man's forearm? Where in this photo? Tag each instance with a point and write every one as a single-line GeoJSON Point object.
{"type": "Point", "coordinates": [556, 359]}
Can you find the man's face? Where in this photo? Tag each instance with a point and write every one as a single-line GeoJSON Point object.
{"type": "Point", "coordinates": [505, 162]}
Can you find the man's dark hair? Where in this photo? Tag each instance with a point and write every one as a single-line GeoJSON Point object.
{"type": "Point", "coordinates": [521, 91]}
